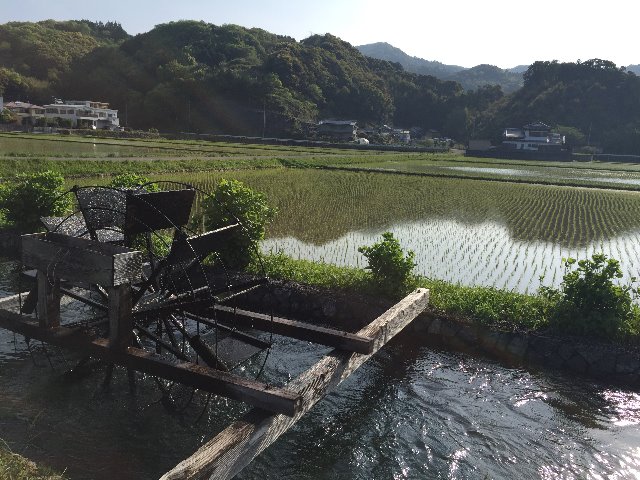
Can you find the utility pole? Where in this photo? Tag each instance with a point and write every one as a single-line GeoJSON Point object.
{"type": "Point", "coordinates": [264, 117]}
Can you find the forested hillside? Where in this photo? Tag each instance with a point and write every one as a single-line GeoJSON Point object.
{"type": "Point", "coordinates": [384, 51]}
{"type": "Point", "coordinates": [481, 75]}
{"type": "Point", "coordinates": [195, 76]}
{"type": "Point", "coordinates": [33, 56]}
{"type": "Point", "coordinates": [594, 102]}
{"type": "Point", "coordinates": [201, 77]}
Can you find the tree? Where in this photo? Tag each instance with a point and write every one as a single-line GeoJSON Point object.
{"type": "Point", "coordinates": [31, 196]}
{"type": "Point", "coordinates": [7, 116]}
{"type": "Point", "coordinates": [232, 202]}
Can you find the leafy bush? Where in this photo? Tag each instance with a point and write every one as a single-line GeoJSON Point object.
{"type": "Point", "coordinates": [7, 116]}
{"type": "Point", "coordinates": [233, 201]}
{"type": "Point", "coordinates": [391, 269]}
{"type": "Point", "coordinates": [589, 303]}
{"type": "Point", "coordinates": [32, 196]}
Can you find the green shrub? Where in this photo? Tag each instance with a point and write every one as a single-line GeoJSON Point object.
{"type": "Point", "coordinates": [32, 196]}
{"type": "Point", "coordinates": [233, 200]}
{"type": "Point", "coordinates": [390, 268]}
{"type": "Point", "coordinates": [589, 303]}
{"type": "Point", "coordinates": [7, 116]}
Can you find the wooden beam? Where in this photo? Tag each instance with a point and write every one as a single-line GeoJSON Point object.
{"type": "Point", "coordinates": [48, 306]}
{"type": "Point", "coordinates": [233, 332]}
{"type": "Point", "coordinates": [81, 260]}
{"type": "Point", "coordinates": [294, 329]}
{"type": "Point", "coordinates": [235, 447]}
{"type": "Point", "coordinates": [258, 394]}
{"type": "Point", "coordinates": [30, 328]}
{"type": "Point", "coordinates": [120, 317]}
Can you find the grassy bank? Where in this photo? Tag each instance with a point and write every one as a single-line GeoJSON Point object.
{"type": "Point", "coordinates": [16, 467]}
{"type": "Point", "coordinates": [9, 167]}
{"type": "Point", "coordinates": [485, 305]}
{"type": "Point", "coordinates": [488, 306]}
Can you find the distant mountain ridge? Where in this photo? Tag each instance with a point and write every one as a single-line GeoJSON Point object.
{"type": "Point", "coordinates": [634, 68]}
{"type": "Point", "coordinates": [385, 51]}
{"type": "Point", "coordinates": [470, 78]}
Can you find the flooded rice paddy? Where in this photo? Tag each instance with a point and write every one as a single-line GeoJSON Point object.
{"type": "Point", "coordinates": [474, 232]}
{"type": "Point", "coordinates": [571, 173]}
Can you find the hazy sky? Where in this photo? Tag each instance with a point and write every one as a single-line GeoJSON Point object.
{"type": "Point", "coordinates": [460, 32]}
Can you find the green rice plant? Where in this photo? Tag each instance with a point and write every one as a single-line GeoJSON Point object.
{"type": "Point", "coordinates": [133, 180]}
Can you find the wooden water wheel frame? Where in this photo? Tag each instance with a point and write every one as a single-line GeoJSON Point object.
{"type": "Point", "coordinates": [169, 306]}
{"type": "Point", "coordinates": [151, 309]}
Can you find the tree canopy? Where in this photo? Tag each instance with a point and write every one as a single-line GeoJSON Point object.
{"type": "Point", "coordinates": [196, 76]}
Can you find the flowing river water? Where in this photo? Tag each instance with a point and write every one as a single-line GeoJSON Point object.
{"type": "Point", "coordinates": [413, 411]}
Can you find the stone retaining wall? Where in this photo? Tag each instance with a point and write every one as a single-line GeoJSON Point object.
{"type": "Point", "coordinates": [605, 362]}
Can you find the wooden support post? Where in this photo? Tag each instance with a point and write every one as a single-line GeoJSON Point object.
{"type": "Point", "coordinates": [235, 447]}
{"type": "Point", "coordinates": [120, 317]}
{"type": "Point", "coordinates": [48, 307]}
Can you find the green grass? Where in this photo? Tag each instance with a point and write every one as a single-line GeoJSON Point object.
{"type": "Point", "coordinates": [282, 267]}
{"type": "Point", "coordinates": [9, 167]}
{"type": "Point", "coordinates": [484, 305]}
{"type": "Point", "coordinates": [488, 306]}
{"type": "Point", "coordinates": [16, 467]}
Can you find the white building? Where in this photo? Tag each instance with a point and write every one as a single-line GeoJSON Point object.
{"type": "Point", "coordinates": [534, 136]}
{"type": "Point", "coordinates": [84, 114]}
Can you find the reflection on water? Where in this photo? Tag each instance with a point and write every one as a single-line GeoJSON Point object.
{"type": "Point", "coordinates": [473, 232]}
{"type": "Point", "coordinates": [497, 171]}
{"type": "Point", "coordinates": [415, 413]}
{"type": "Point", "coordinates": [471, 254]}
{"type": "Point", "coordinates": [604, 177]}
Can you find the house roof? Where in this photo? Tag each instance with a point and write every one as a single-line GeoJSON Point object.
{"type": "Point", "coordinates": [337, 122]}
{"type": "Point", "coordinates": [537, 126]}
{"type": "Point", "coordinates": [19, 104]}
